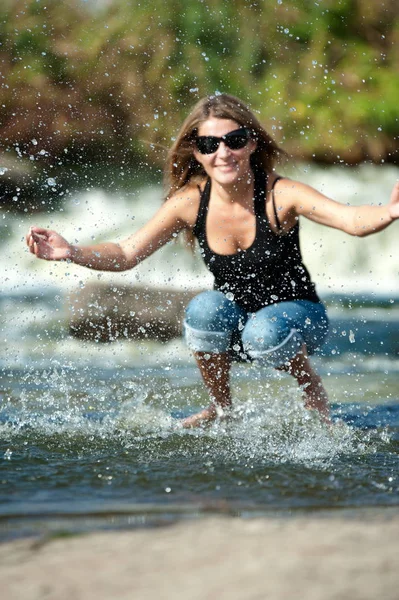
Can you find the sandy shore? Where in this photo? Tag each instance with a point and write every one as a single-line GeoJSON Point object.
{"type": "Point", "coordinates": [310, 558]}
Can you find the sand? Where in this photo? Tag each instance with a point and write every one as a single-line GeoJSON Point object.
{"type": "Point", "coordinates": [306, 558]}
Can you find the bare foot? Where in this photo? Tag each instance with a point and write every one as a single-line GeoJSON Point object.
{"type": "Point", "coordinates": [200, 419]}
{"type": "Point", "coordinates": [206, 416]}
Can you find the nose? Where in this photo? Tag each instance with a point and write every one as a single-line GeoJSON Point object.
{"type": "Point", "coordinates": [223, 150]}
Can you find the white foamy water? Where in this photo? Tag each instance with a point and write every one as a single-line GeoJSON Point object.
{"type": "Point", "coordinates": [338, 263]}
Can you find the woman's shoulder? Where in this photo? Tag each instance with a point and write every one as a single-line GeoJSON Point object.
{"type": "Point", "coordinates": [287, 189]}
{"type": "Point", "coordinates": [188, 194]}
{"type": "Point", "coordinates": [275, 180]}
{"type": "Point", "coordinates": [185, 202]}
{"type": "Point", "coordinates": [293, 198]}
{"type": "Point", "coordinates": [281, 201]}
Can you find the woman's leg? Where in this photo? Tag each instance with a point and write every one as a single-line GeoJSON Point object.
{"type": "Point", "coordinates": [210, 322]}
{"type": "Point", "coordinates": [314, 392]}
{"type": "Point", "coordinates": [215, 371]}
{"type": "Point", "coordinates": [283, 335]}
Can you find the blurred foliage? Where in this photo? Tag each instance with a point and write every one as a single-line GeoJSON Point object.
{"type": "Point", "coordinates": [113, 80]}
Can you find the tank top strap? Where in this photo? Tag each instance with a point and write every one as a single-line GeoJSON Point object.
{"type": "Point", "coordinates": [260, 191]}
{"type": "Point", "coordinates": [203, 208]}
{"type": "Point", "coordinates": [279, 228]}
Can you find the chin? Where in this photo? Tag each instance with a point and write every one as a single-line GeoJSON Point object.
{"type": "Point", "coordinates": [233, 177]}
{"type": "Point", "coordinates": [227, 180]}
{"type": "Point", "coordinates": [231, 173]}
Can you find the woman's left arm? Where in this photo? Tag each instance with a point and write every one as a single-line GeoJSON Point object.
{"type": "Point", "coordinates": [300, 199]}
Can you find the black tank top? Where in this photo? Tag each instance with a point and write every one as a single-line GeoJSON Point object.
{"type": "Point", "coordinates": [270, 270]}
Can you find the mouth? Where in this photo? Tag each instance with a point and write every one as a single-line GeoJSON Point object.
{"type": "Point", "coordinates": [227, 166]}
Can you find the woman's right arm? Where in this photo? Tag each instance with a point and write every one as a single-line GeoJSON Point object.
{"type": "Point", "coordinates": [172, 217]}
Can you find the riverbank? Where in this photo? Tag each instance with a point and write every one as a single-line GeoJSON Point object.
{"type": "Point", "coordinates": [117, 83]}
{"type": "Point", "coordinates": [314, 557]}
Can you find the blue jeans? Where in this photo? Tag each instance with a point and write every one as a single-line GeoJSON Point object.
{"type": "Point", "coordinates": [272, 335]}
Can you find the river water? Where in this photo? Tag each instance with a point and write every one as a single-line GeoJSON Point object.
{"type": "Point", "coordinates": [88, 435]}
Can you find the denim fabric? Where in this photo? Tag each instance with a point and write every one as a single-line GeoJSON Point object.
{"type": "Point", "coordinates": [273, 335]}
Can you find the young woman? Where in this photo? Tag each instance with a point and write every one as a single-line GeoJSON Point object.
{"type": "Point", "coordinates": [223, 191]}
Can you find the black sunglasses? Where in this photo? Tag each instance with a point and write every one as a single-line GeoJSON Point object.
{"type": "Point", "coordinates": [207, 144]}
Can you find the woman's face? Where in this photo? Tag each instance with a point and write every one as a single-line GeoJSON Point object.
{"type": "Point", "coordinates": [225, 166]}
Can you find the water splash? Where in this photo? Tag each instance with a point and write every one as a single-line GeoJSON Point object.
{"type": "Point", "coordinates": [77, 411]}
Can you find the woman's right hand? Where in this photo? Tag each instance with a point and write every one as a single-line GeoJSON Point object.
{"type": "Point", "coordinates": [48, 244]}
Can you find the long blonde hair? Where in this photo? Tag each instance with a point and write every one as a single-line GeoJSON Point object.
{"type": "Point", "coordinates": [182, 167]}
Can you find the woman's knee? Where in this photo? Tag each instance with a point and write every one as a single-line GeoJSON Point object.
{"type": "Point", "coordinates": [212, 311]}
{"type": "Point", "coordinates": [210, 322]}
{"type": "Point", "coordinates": [272, 340]}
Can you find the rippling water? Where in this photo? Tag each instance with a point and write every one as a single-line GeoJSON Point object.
{"type": "Point", "coordinates": [83, 445]}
